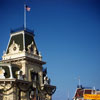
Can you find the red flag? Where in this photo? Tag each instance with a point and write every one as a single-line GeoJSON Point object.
{"type": "Point", "coordinates": [28, 8]}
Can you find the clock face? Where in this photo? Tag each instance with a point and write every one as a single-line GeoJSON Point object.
{"type": "Point", "coordinates": [14, 48]}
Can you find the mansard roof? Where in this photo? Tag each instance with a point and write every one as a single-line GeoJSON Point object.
{"type": "Point", "coordinates": [24, 40]}
{"type": "Point", "coordinates": [22, 45]}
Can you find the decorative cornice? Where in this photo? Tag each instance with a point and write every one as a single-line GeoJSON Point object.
{"type": "Point", "coordinates": [14, 48]}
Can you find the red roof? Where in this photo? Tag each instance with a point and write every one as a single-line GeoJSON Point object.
{"type": "Point", "coordinates": [79, 92]}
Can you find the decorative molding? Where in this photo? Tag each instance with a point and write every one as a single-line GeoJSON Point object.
{"type": "Point", "coordinates": [32, 48]}
{"type": "Point", "coordinates": [14, 48]}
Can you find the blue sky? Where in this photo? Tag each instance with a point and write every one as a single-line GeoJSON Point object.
{"type": "Point", "coordinates": [67, 32]}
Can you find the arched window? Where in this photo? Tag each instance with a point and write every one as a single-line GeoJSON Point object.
{"type": "Point", "coordinates": [34, 76]}
{"type": "Point", "coordinates": [4, 72]}
{"type": "Point", "coordinates": [14, 70]}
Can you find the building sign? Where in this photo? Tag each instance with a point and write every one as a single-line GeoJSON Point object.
{"type": "Point", "coordinates": [91, 96]}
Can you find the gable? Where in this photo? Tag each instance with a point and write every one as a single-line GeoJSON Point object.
{"type": "Point", "coordinates": [18, 40]}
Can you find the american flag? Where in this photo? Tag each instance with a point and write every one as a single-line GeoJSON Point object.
{"type": "Point", "coordinates": [28, 8]}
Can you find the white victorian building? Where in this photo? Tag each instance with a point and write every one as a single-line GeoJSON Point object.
{"type": "Point", "coordinates": [22, 76]}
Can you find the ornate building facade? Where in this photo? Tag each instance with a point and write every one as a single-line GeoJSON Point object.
{"type": "Point", "coordinates": [81, 91]}
{"type": "Point", "coordinates": [22, 76]}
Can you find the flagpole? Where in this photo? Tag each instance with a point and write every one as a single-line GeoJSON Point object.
{"type": "Point", "coordinates": [79, 81]}
{"type": "Point", "coordinates": [24, 16]}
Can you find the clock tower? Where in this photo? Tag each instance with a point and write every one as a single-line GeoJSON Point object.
{"type": "Point", "coordinates": [27, 79]}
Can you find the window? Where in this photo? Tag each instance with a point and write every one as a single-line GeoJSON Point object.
{"type": "Point", "coordinates": [5, 72]}
{"type": "Point", "coordinates": [34, 76]}
{"type": "Point", "coordinates": [14, 70]}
